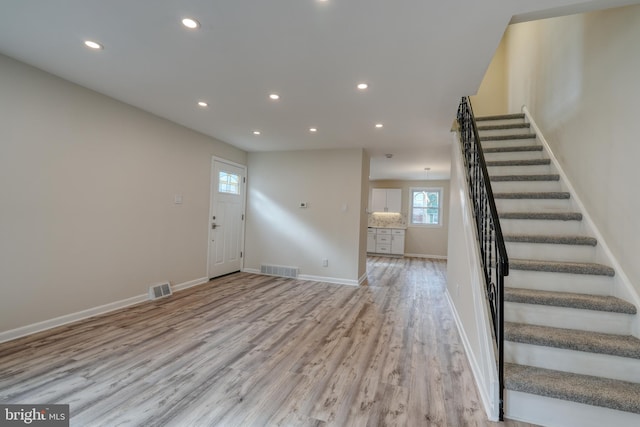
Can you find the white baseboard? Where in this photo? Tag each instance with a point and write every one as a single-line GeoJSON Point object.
{"type": "Point", "coordinates": [336, 280]}
{"type": "Point", "coordinates": [190, 284]}
{"type": "Point", "coordinates": [426, 256]}
{"type": "Point", "coordinates": [85, 314]}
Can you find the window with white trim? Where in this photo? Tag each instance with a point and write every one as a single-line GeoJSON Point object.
{"type": "Point", "coordinates": [228, 183]}
{"type": "Point", "coordinates": [426, 207]}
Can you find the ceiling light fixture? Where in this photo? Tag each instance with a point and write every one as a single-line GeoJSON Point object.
{"type": "Point", "coordinates": [378, 125]}
{"type": "Point", "coordinates": [93, 45]}
{"type": "Point", "coordinates": [313, 130]}
{"type": "Point", "coordinates": [362, 86]}
{"type": "Point", "coordinates": [256, 132]}
{"type": "Point", "coordinates": [274, 96]}
{"type": "Point", "coordinates": [190, 23]}
{"type": "Point", "coordinates": [202, 104]}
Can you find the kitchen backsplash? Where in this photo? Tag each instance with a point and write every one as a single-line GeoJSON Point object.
{"type": "Point", "coordinates": [381, 219]}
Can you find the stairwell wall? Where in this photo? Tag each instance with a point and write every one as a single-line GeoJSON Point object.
{"type": "Point", "coordinates": [578, 76]}
{"type": "Point", "coordinates": [465, 287]}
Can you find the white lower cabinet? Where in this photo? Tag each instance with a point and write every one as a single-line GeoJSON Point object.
{"type": "Point", "coordinates": [371, 240]}
{"type": "Point", "coordinates": [397, 242]}
{"type": "Point", "coordinates": [385, 241]}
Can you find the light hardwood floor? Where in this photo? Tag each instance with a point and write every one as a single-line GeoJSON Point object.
{"type": "Point", "coordinates": [250, 350]}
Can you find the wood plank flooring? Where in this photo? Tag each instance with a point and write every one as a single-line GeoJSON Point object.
{"type": "Point", "coordinates": [250, 350]}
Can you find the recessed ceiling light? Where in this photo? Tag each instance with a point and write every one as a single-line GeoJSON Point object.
{"type": "Point", "coordinates": [313, 130]}
{"type": "Point", "coordinates": [93, 45]}
{"type": "Point", "coordinates": [190, 23]}
{"type": "Point", "coordinates": [274, 96]}
{"type": "Point", "coordinates": [378, 125]}
{"type": "Point", "coordinates": [202, 104]}
{"type": "Point", "coordinates": [362, 86]}
{"type": "Point", "coordinates": [256, 132]}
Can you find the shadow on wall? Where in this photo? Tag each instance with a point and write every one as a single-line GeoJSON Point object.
{"type": "Point", "coordinates": [562, 68]}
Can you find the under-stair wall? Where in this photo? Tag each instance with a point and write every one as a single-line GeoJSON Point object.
{"type": "Point", "coordinates": [465, 287]}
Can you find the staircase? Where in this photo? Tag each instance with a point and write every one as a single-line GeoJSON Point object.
{"type": "Point", "coordinates": [570, 358]}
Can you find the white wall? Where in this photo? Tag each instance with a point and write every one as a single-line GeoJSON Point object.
{"type": "Point", "coordinates": [279, 232]}
{"type": "Point", "coordinates": [465, 288]}
{"type": "Point", "coordinates": [578, 75]}
{"type": "Point", "coordinates": [87, 186]}
{"type": "Point", "coordinates": [421, 241]}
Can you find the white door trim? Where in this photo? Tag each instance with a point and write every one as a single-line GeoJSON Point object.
{"type": "Point", "coordinates": [244, 205]}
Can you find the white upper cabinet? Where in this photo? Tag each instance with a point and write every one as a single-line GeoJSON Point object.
{"type": "Point", "coordinates": [386, 200]}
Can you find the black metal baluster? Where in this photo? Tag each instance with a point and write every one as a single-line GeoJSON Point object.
{"type": "Point", "coordinates": [493, 252]}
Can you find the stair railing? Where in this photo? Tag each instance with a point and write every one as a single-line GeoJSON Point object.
{"type": "Point", "coordinates": [493, 252]}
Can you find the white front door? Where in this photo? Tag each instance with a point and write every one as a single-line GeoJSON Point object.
{"type": "Point", "coordinates": [226, 221]}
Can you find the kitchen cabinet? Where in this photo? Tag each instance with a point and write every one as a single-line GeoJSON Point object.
{"type": "Point", "coordinates": [397, 241]}
{"type": "Point", "coordinates": [385, 241]}
{"type": "Point", "coordinates": [371, 240]}
{"type": "Point", "coordinates": [386, 200]}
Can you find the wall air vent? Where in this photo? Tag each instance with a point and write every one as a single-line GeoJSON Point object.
{"type": "Point", "coordinates": [279, 270]}
{"type": "Point", "coordinates": [160, 290]}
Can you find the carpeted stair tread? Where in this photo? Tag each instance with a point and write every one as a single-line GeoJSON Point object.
{"type": "Point", "coordinates": [533, 195]}
{"type": "Point", "coordinates": [526, 162]}
{"type": "Point", "coordinates": [569, 300]}
{"type": "Point", "coordinates": [516, 149]}
{"type": "Point", "coordinates": [508, 137]}
{"type": "Point", "coordinates": [551, 239]}
{"type": "Point", "coordinates": [562, 267]}
{"type": "Point", "coordinates": [503, 127]}
{"type": "Point", "coordinates": [573, 339]}
{"type": "Point", "coordinates": [589, 390]}
{"type": "Point", "coordinates": [546, 216]}
{"type": "Point", "coordinates": [501, 117]}
{"type": "Point", "coordinates": [540, 177]}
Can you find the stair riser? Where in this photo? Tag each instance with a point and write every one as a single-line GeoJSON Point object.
{"type": "Point", "coordinates": [577, 362]}
{"type": "Point", "coordinates": [524, 139]}
{"type": "Point", "coordinates": [551, 412]}
{"type": "Point", "coordinates": [560, 282]}
{"type": "Point", "coordinates": [508, 143]}
{"type": "Point", "coordinates": [533, 205]}
{"type": "Point", "coordinates": [555, 252]}
{"type": "Point", "coordinates": [492, 132]}
{"type": "Point", "coordinates": [568, 318]}
{"type": "Point", "coordinates": [515, 155]}
{"type": "Point", "coordinates": [520, 170]}
{"type": "Point", "coordinates": [534, 226]}
{"type": "Point", "coordinates": [525, 186]}
{"type": "Point", "coordinates": [499, 122]}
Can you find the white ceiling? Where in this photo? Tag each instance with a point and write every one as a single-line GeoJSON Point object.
{"type": "Point", "coordinates": [418, 57]}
